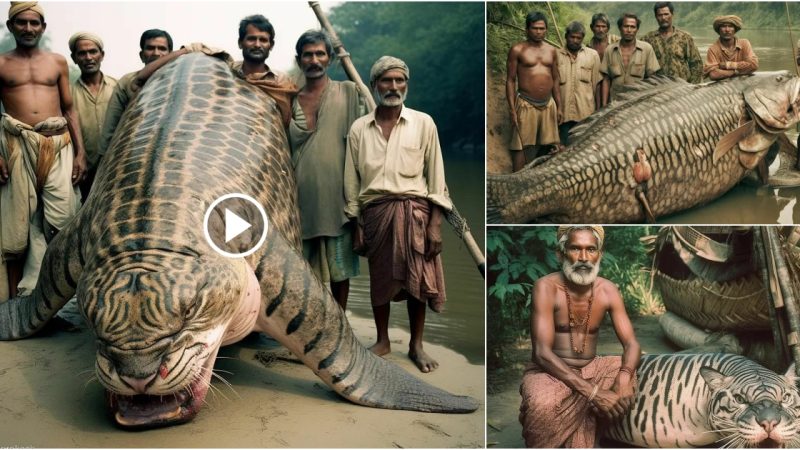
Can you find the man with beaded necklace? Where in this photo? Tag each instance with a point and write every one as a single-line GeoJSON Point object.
{"type": "Point", "coordinates": [567, 386]}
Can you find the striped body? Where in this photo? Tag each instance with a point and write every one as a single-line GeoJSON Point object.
{"type": "Point", "coordinates": [678, 406]}
{"type": "Point", "coordinates": [159, 299]}
{"type": "Point", "coordinates": [676, 125]}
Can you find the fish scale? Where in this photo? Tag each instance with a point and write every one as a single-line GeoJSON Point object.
{"type": "Point", "coordinates": [677, 124]}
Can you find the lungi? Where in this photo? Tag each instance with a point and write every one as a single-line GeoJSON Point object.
{"type": "Point", "coordinates": [395, 236]}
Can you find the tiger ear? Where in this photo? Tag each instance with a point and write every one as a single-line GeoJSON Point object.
{"type": "Point", "coordinates": [714, 379]}
{"type": "Point", "coordinates": [791, 375]}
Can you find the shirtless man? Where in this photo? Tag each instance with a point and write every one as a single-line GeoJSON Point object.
{"type": "Point", "coordinates": [567, 385]}
{"type": "Point", "coordinates": [628, 61]}
{"type": "Point", "coordinates": [532, 90]}
{"type": "Point", "coordinates": [41, 151]}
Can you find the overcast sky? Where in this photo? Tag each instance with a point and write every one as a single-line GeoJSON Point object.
{"type": "Point", "coordinates": [120, 24]}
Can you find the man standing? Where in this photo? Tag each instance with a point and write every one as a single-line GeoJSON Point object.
{"type": "Point", "coordinates": [395, 190]}
{"type": "Point", "coordinates": [91, 93]}
{"type": "Point", "coordinates": [628, 61]}
{"type": "Point", "coordinates": [601, 38]}
{"type": "Point", "coordinates": [322, 114]}
{"type": "Point", "coordinates": [532, 92]}
{"type": "Point", "coordinates": [579, 71]}
{"type": "Point", "coordinates": [256, 38]}
{"type": "Point", "coordinates": [567, 381]}
{"type": "Point", "coordinates": [41, 148]}
{"type": "Point", "coordinates": [153, 44]}
{"type": "Point", "coordinates": [675, 50]}
{"type": "Point", "coordinates": [729, 56]}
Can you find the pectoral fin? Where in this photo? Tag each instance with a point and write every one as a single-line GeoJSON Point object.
{"type": "Point", "coordinates": [757, 141]}
{"type": "Point", "coordinates": [750, 160]}
{"type": "Point", "coordinates": [731, 139]}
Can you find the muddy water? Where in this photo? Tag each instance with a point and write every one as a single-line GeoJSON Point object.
{"type": "Point", "coordinates": [461, 326]}
{"type": "Point", "coordinates": [748, 203]}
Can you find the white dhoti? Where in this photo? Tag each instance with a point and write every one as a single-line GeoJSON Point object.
{"type": "Point", "coordinates": [39, 192]}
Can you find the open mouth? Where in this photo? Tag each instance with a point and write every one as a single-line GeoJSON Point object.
{"type": "Point", "coordinates": [134, 412]}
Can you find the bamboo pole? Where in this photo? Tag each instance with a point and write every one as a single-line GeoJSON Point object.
{"type": "Point", "coordinates": [555, 24]}
{"type": "Point", "coordinates": [455, 219]}
{"type": "Point", "coordinates": [791, 38]}
{"type": "Point", "coordinates": [761, 244]}
{"type": "Point", "coordinates": [783, 274]}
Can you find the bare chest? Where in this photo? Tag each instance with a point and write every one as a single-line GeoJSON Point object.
{"type": "Point", "coordinates": [532, 57]}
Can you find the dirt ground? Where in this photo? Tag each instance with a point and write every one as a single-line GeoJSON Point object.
{"type": "Point", "coordinates": [48, 400]}
{"type": "Point", "coordinates": [502, 400]}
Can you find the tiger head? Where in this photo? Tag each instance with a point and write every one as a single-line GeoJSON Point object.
{"type": "Point", "coordinates": [158, 333]}
{"type": "Point", "coordinates": [754, 409]}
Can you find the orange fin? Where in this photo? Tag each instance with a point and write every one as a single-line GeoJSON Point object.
{"type": "Point", "coordinates": [731, 139]}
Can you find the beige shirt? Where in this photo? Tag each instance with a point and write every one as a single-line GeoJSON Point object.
{"type": "Point", "coordinates": [410, 163]}
{"type": "Point", "coordinates": [92, 113]}
{"type": "Point", "coordinates": [579, 78]}
{"type": "Point", "coordinates": [642, 64]}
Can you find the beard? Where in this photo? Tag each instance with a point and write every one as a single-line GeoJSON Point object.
{"type": "Point", "coordinates": [388, 99]}
{"type": "Point", "coordinates": [581, 273]}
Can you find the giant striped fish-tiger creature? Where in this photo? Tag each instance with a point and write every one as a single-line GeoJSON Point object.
{"type": "Point", "coordinates": [693, 400]}
{"type": "Point", "coordinates": [159, 300]}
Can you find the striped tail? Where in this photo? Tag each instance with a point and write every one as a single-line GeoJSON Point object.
{"type": "Point", "coordinates": [21, 317]}
{"type": "Point", "coordinates": [301, 314]}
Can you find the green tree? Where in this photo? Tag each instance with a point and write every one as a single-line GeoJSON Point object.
{"type": "Point", "coordinates": [518, 256]}
{"type": "Point", "coordinates": [442, 43]}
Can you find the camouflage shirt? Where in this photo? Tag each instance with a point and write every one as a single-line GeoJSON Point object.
{"type": "Point", "coordinates": [677, 55]}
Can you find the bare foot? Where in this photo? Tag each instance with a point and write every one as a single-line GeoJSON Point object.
{"type": "Point", "coordinates": [381, 348]}
{"type": "Point", "coordinates": [424, 362]}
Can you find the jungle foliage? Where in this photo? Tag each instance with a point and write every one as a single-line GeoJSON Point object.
{"type": "Point", "coordinates": [518, 256]}
{"type": "Point", "coordinates": [443, 45]}
{"type": "Point", "coordinates": [506, 21]}
{"type": "Point", "coordinates": [762, 15]}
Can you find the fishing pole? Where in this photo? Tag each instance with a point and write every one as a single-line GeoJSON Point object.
{"type": "Point", "coordinates": [453, 217]}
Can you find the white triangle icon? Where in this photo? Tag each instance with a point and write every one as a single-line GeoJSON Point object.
{"type": "Point", "coordinates": [234, 225]}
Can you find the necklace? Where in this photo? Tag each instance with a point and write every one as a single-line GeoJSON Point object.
{"type": "Point", "coordinates": [575, 323]}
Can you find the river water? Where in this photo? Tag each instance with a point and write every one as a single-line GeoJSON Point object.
{"type": "Point", "coordinates": [461, 326]}
{"type": "Point", "coordinates": [748, 203]}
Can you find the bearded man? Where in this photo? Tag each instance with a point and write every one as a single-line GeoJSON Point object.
{"type": "Point", "coordinates": [567, 386]}
{"type": "Point", "coordinates": [396, 196]}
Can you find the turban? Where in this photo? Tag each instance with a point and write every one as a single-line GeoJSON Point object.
{"type": "Point", "coordinates": [84, 35]}
{"type": "Point", "coordinates": [18, 7]}
{"type": "Point", "coordinates": [384, 64]}
{"type": "Point", "coordinates": [565, 229]}
{"type": "Point", "coordinates": [736, 21]}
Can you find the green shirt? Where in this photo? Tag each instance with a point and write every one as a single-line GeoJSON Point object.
{"type": "Point", "coordinates": [677, 55]}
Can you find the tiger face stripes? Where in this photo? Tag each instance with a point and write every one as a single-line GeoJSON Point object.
{"type": "Point", "coordinates": [691, 400]}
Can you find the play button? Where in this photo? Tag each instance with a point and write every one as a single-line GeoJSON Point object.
{"type": "Point", "coordinates": [235, 225]}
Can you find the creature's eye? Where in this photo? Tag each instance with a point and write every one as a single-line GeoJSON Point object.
{"type": "Point", "coordinates": [779, 78]}
{"type": "Point", "coordinates": [738, 398]}
{"type": "Point", "coordinates": [788, 398]}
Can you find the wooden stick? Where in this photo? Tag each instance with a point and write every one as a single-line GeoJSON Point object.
{"type": "Point", "coordinates": [555, 24]}
{"type": "Point", "coordinates": [791, 38]}
{"type": "Point", "coordinates": [453, 217]}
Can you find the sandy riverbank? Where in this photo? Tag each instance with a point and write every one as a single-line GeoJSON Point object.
{"type": "Point", "coordinates": [48, 401]}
